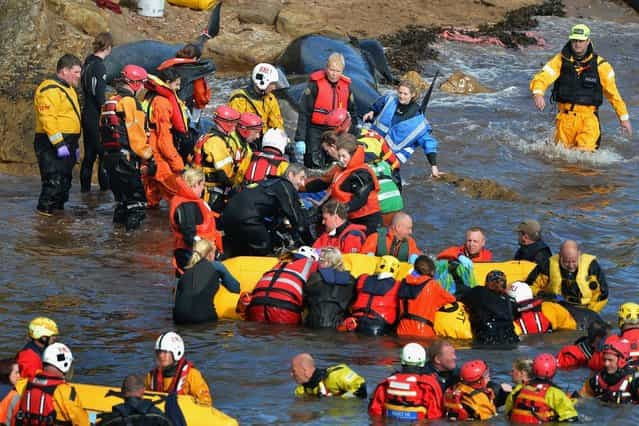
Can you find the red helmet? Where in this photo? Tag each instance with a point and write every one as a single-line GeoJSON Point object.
{"type": "Point", "coordinates": [134, 76]}
{"type": "Point", "coordinates": [226, 118]}
{"type": "Point", "coordinates": [618, 347]}
{"type": "Point", "coordinates": [473, 371]}
{"type": "Point", "coordinates": [339, 119]}
{"type": "Point", "coordinates": [544, 366]}
{"type": "Point", "coordinates": [248, 122]}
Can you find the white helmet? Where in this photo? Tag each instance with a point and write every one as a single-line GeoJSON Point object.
{"type": "Point", "coordinates": [58, 355]}
{"type": "Point", "coordinates": [413, 354]}
{"type": "Point", "coordinates": [171, 342]}
{"type": "Point", "coordinates": [263, 75]}
{"type": "Point", "coordinates": [275, 138]}
{"type": "Point", "coordinates": [520, 291]}
{"type": "Point", "coordinates": [308, 252]}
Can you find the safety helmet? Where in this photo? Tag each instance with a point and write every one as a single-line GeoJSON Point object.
{"type": "Point", "coordinates": [473, 371]}
{"type": "Point", "coordinates": [263, 75]}
{"type": "Point", "coordinates": [496, 281]}
{"type": "Point", "coordinates": [388, 266]}
{"type": "Point", "coordinates": [171, 342]}
{"type": "Point", "coordinates": [628, 314]}
{"type": "Point", "coordinates": [275, 138]}
{"type": "Point", "coordinates": [618, 347]}
{"type": "Point", "coordinates": [520, 291]}
{"type": "Point", "coordinates": [308, 252]}
{"type": "Point", "coordinates": [248, 122]}
{"type": "Point", "coordinates": [42, 327]}
{"type": "Point", "coordinates": [134, 76]}
{"type": "Point", "coordinates": [413, 354]}
{"type": "Point", "coordinates": [339, 119]}
{"type": "Point", "coordinates": [544, 366]}
{"type": "Point", "coordinates": [58, 355]}
{"type": "Point", "coordinates": [579, 32]}
{"type": "Point", "coordinates": [226, 118]}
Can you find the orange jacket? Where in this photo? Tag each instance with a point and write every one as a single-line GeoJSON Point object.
{"type": "Point", "coordinates": [392, 246]}
{"type": "Point", "coordinates": [452, 253]}
{"type": "Point", "coordinates": [356, 163]}
{"type": "Point", "coordinates": [169, 161]}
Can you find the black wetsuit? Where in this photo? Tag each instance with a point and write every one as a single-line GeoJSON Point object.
{"type": "Point", "coordinates": [491, 316]}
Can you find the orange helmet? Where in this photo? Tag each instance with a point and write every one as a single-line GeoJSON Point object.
{"type": "Point", "coordinates": [226, 118]}
{"type": "Point", "coordinates": [544, 366]}
{"type": "Point", "coordinates": [248, 122]}
{"type": "Point", "coordinates": [134, 76]}
{"type": "Point", "coordinates": [473, 371]}
{"type": "Point", "coordinates": [618, 347]}
{"type": "Point", "coordinates": [339, 119]}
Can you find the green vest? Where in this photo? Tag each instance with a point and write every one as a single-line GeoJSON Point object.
{"type": "Point", "coordinates": [389, 197]}
{"type": "Point", "coordinates": [402, 252]}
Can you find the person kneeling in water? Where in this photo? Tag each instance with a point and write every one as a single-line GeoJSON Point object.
{"type": "Point", "coordinates": [196, 290]}
{"type": "Point", "coordinates": [173, 373]}
{"type": "Point", "coordinates": [338, 380]}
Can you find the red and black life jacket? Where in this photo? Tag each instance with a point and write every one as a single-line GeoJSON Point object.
{"type": "Point", "coordinates": [113, 133]}
{"type": "Point", "coordinates": [376, 298]}
{"type": "Point", "coordinates": [532, 320]}
{"type": "Point", "coordinates": [330, 96]}
{"type": "Point", "coordinates": [177, 384]}
{"type": "Point", "coordinates": [529, 405]}
{"type": "Point", "coordinates": [36, 407]}
{"type": "Point", "coordinates": [282, 286]}
{"type": "Point", "coordinates": [616, 393]}
{"type": "Point", "coordinates": [263, 165]}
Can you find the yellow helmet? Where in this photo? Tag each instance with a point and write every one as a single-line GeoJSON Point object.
{"type": "Point", "coordinates": [628, 314]}
{"type": "Point", "coordinates": [388, 265]}
{"type": "Point", "coordinates": [42, 327]}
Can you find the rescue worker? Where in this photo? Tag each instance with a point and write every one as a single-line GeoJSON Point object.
{"type": "Point", "coordinates": [214, 153]}
{"type": "Point", "coordinates": [42, 333]}
{"type": "Point", "coordinates": [442, 363]}
{"type": "Point", "coordinates": [253, 216]}
{"type": "Point", "coordinates": [190, 218]}
{"type": "Point", "coordinates": [270, 161]}
{"type": "Point", "coordinates": [258, 97]}
{"type": "Point", "coordinates": [521, 373]}
{"type": "Point", "coordinates": [376, 304]}
{"type": "Point", "coordinates": [531, 247]}
{"type": "Point", "coordinates": [135, 410]}
{"type": "Point", "coordinates": [628, 322]}
{"type": "Point", "coordinates": [420, 297]}
{"type": "Point", "coordinates": [57, 401]}
{"type": "Point", "coordinates": [93, 83]}
{"type": "Point", "coordinates": [474, 248]}
{"type": "Point", "coordinates": [491, 311]}
{"type": "Point", "coordinates": [173, 373]}
{"type": "Point", "coordinates": [196, 290]}
{"type": "Point", "coordinates": [57, 130]}
{"type": "Point", "coordinates": [540, 400]}
{"type": "Point", "coordinates": [338, 231]}
{"type": "Point", "coordinates": [125, 147]}
{"type": "Point", "coordinates": [581, 78]}
{"type": "Point", "coordinates": [166, 114]}
{"type": "Point", "coordinates": [329, 291]}
{"type": "Point", "coordinates": [278, 296]}
{"type": "Point", "coordinates": [573, 276]}
{"type": "Point", "coordinates": [396, 240]}
{"type": "Point", "coordinates": [408, 394]}
{"type": "Point", "coordinates": [338, 380]}
{"type": "Point", "coordinates": [327, 90]}
{"type": "Point", "coordinates": [471, 398]}
{"type": "Point", "coordinates": [584, 353]}
{"type": "Point", "coordinates": [399, 119]}
{"type": "Point", "coordinates": [618, 381]}
{"type": "Point", "coordinates": [249, 130]}
{"type": "Point", "coordinates": [9, 397]}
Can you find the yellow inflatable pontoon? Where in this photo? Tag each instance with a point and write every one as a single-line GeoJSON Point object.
{"type": "Point", "coordinates": [194, 4]}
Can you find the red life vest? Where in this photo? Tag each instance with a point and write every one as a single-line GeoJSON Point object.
{"type": "Point", "coordinates": [262, 166]}
{"type": "Point", "coordinates": [206, 229]}
{"type": "Point", "coordinates": [532, 320]}
{"type": "Point", "coordinates": [113, 133]}
{"type": "Point", "coordinates": [617, 393]}
{"type": "Point", "coordinates": [358, 232]}
{"type": "Point", "coordinates": [179, 117]}
{"type": "Point", "coordinates": [632, 335]}
{"type": "Point", "coordinates": [177, 384]}
{"type": "Point", "coordinates": [404, 397]}
{"type": "Point", "coordinates": [356, 163]}
{"type": "Point", "coordinates": [329, 96]}
{"type": "Point", "coordinates": [529, 405]}
{"type": "Point", "coordinates": [376, 298]}
{"type": "Point", "coordinates": [36, 404]}
{"type": "Point", "coordinates": [282, 286]}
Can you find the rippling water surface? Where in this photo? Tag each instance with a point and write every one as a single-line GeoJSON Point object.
{"type": "Point", "coordinates": [110, 291]}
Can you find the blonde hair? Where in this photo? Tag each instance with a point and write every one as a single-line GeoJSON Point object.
{"type": "Point", "coordinates": [411, 86]}
{"type": "Point", "coordinates": [193, 176]}
{"type": "Point", "coordinates": [524, 365]}
{"type": "Point", "coordinates": [333, 257]}
{"type": "Point", "coordinates": [201, 250]}
{"type": "Point", "coordinates": [336, 58]}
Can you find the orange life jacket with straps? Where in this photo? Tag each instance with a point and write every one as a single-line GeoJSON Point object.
{"type": "Point", "coordinates": [262, 166]}
{"type": "Point", "coordinates": [36, 406]}
{"type": "Point", "coordinates": [356, 163]}
{"type": "Point", "coordinates": [329, 96]}
{"type": "Point", "coordinates": [177, 384]}
{"type": "Point", "coordinates": [458, 401]}
{"type": "Point", "coordinates": [179, 115]}
{"type": "Point", "coordinates": [532, 320]}
{"type": "Point", "coordinates": [282, 286]}
{"type": "Point", "coordinates": [529, 405]}
{"type": "Point", "coordinates": [404, 397]}
{"type": "Point", "coordinates": [376, 298]}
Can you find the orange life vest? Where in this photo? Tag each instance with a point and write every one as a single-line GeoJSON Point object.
{"type": "Point", "coordinates": [404, 397]}
{"type": "Point", "coordinates": [329, 96]}
{"type": "Point", "coordinates": [179, 118]}
{"type": "Point", "coordinates": [376, 298]}
{"type": "Point", "coordinates": [532, 320]}
{"type": "Point", "coordinates": [417, 307]}
{"type": "Point", "coordinates": [458, 401]}
{"type": "Point", "coordinates": [529, 405]}
{"type": "Point", "coordinates": [36, 405]}
{"type": "Point", "coordinates": [356, 163]}
{"type": "Point", "coordinates": [177, 384]}
{"type": "Point", "coordinates": [282, 286]}
{"type": "Point", "coordinates": [452, 253]}
{"type": "Point", "coordinates": [175, 61]}
{"type": "Point", "coordinates": [262, 166]}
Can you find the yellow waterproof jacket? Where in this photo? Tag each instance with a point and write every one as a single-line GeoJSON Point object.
{"type": "Point", "coordinates": [267, 107]}
{"type": "Point", "coordinates": [66, 402]}
{"type": "Point", "coordinates": [479, 402]}
{"type": "Point", "coordinates": [242, 155]}
{"type": "Point", "coordinates": [217, 161]}
{"type": "Point", "coordinates": [340, 380]}
{"type": "Point", "coordinates": [57, 110]}
{"type": "Point", "coordinates": [194, 385]}
{"type": "Point", "coordinates": [555, 398]}
{"type": "Point", "coordinates": [135, 122]}
{"type": "Point", "coordinates": [550, 72]}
